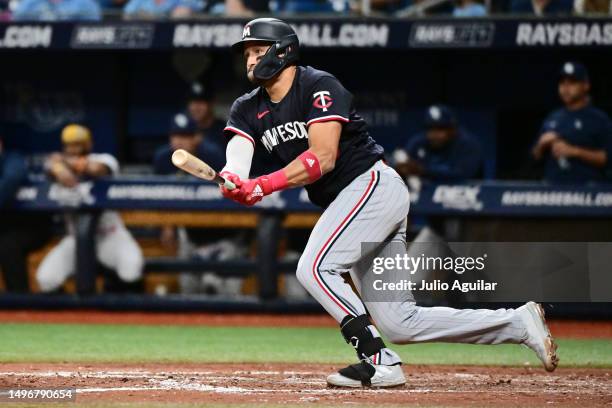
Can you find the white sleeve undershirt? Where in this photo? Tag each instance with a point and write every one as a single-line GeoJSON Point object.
{"type": "Point", "coordinates": [238, 155]}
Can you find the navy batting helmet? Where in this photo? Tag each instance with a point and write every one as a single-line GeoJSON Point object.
{"type": "Point", "coordinates": [283, 52]}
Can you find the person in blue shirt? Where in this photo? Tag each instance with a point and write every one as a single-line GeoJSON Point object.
{"type": "Point", "coordinates": [20, 232]}
{"type": "Point", "coordinates": [162, 8]}
{"type": "Point", "coordinates": [444, 152]}
{"type": "Point", "coordinates": [57, 10]}
{"type": "Point", "coordinates": [469, 8]}
{"type": "Point", "coordinates": [575, 141]}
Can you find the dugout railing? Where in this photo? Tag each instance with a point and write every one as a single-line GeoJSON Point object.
{"type": "Point", "coordinates": [489, 210]}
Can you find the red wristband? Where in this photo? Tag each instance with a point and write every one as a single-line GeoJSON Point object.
{"type": "Point", "coordinates": [275, 181]}
{"type": "Point", "coordinates": [311, 163]}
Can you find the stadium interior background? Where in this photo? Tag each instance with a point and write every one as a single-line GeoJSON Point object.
{"type": "Point", "coordinates": [127, 97]}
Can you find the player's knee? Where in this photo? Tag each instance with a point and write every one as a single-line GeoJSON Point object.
{"type": "Point", "coordinates": [394, 322]}
{"type": "Point", "coordinates": [130, 267]}
{"type": "Point", "coordinates": [56, 266]}
{"type": "Point", "coordinates": [48, 279]}
{"type": "Point", "coordinates": [303, 272]}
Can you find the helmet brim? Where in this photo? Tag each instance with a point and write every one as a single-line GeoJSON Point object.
{"type": "Point", "coordinates": [239, 46]}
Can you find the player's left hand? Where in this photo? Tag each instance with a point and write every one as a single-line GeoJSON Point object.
{"type": "Point", "coordinates": [253, 190]}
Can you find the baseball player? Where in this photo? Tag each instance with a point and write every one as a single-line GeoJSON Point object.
{"type": "Point", "coordinates": [115, 247]}
{"type": "Point", "coordinates": [307, 118]}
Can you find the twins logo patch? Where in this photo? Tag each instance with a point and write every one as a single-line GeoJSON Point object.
{"type": "Point", "coordinates": [322, 100]}
{"type": "Point", "coordinates": [246, 32]}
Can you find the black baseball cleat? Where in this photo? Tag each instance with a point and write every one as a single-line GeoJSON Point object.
{"type": "Point", "coordinates": [364, 374]}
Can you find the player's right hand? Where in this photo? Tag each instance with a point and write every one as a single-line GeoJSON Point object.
{"type": "Point", "coordinates": [231, 194]}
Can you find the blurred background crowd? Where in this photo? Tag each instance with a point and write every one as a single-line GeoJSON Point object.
{"type": "Point", "coordinates": [93, 10]}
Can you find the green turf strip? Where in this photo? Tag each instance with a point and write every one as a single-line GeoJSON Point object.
{"type": "Point", "coordinates": [200, 344]}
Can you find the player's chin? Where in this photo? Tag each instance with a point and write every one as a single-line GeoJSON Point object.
{"type": "Point", "coordinates": [252, 79]}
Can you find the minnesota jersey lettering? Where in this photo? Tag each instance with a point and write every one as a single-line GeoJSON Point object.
{"type": "Point", "coordinates": [283, 133]}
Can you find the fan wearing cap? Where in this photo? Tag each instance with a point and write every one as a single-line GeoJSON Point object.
{"type": "Point", "coordinates": [444, 152]}
{"type": "Point", "coordinates": [575, 141]}
{"type": "Point", "coordinates": [183, 133]}
{"type": "Point", "coordinates": [116, 249]}
{"type": "Point", "coordinates": [201, 108]}
{"type": "Point", "coordinates": [76, 160]}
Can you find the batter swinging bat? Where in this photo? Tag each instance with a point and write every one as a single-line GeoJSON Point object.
{"type": "Point", "coordinates": [192, 165]}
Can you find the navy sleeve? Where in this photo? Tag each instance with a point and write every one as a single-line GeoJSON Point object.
{"type": "Point", "coordinates": [327, 101]}
{"type": "Point", "coordinates": [463, 164]}
{"type": "Point", "coordinates": [551, 123]}
{"type": "Point", "coordinates": [238, 124]}
{"type": "Point", "coordinates": [13, 172]}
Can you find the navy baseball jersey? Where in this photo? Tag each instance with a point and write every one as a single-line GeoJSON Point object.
{"type": "Point", "coordinates": [588, 127]}
{"type": "Point", "coordinates": [282, 128]}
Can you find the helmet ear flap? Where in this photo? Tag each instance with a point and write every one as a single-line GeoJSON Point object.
{"type": "Point", "coordinates": [281, 54]}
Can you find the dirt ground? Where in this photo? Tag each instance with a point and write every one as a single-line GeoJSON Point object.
{"type": "Point", "coordinates": [305, 384]}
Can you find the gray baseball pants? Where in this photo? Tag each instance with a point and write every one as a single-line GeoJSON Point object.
{"type": "Point", "coordinates": [374, 208]}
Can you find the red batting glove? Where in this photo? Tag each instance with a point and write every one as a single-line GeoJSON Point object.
{"type": "Point", "coordinates": [253, 190]}
{"type": "Point", "coordinates": [234, 178]}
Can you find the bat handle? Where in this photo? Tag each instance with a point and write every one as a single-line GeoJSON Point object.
{"type": "Point", "coordinates": [228, 184]}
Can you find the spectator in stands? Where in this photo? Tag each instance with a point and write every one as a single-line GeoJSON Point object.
{"type": "Point", "coordinates": [115, 247]}
{"type": "Point", "coordinates": [542, 7]}
{"type": "Point", "coordinates": [444, 152]}
{"type": "Point", "coordinates": [593, 6]}
{"type": "Point", "coordinates": [310, 6]}
{"type": "Point", "coordinates": [576, 140]}
{"type": "Point", "coordinates": [198, 242]}
{"type": "Point", "coordinates": [20, 232]}
{"type": "Point", "coordinates": [382, 6]}
{"type": "Point", "coordinates": [238, 8]}
{"type": "Point", "coordinates": [184, 134]}
{"type": "Point", "coordinates": [201, 108]}
{"type": "Point", "coordinates": [5, 12]}
{"type": "Point", "coordinates": [153, 9]}
{"type": "Point", "coordinates": [57, 10]}
{"type": "Point", "coordinates": [114, 5]}
{"type": "Point", "coordinates": [469, 8]}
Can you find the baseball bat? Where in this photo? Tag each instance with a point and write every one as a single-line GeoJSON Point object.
{"type": "Point", "coordinates": [192, 165]}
